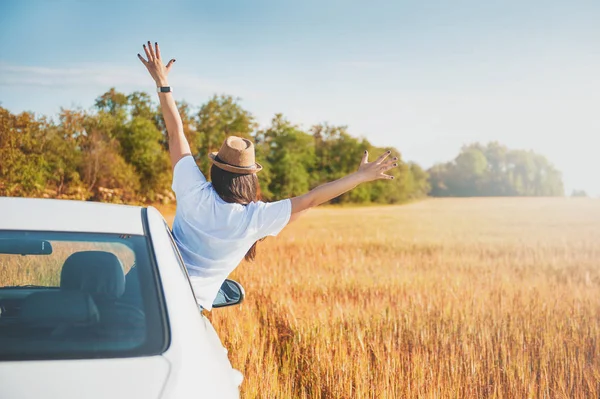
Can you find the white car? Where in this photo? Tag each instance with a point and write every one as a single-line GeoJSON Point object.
{"type": "Point", "coordinates": [95, 302]}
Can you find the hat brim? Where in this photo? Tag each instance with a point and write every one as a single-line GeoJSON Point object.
{"type": "Point", "coordinates": [234, 169]}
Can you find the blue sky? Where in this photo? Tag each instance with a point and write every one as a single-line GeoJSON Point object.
{"type": "Point", "coordinates": [423, 76]}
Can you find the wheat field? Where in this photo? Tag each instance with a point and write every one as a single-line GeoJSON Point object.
{"type": "Point", "coordinates": [453, 298]}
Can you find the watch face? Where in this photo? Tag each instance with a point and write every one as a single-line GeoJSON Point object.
{"type": "Point", "coordinates": [166, 89]}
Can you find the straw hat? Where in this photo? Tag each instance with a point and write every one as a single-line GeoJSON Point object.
{"type": "Point", "coordinates": [236, 156]}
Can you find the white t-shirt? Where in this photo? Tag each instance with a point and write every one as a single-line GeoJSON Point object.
{"type": "Point", "coordinates": [212, 235]}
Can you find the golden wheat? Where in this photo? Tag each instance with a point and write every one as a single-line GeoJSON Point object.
{"type": "Point", "coordinates": [455, 298]}
{"type": "Point", "coordinates": [473, 298]}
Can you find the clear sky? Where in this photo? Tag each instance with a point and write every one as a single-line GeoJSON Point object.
{"type": "Point", "coordinates": [423, 76]}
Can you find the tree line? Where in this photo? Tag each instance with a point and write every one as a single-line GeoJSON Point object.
{"type": "Point", "coordinates": [494, 170]}
{"type": "Point", "coordinates": [118, 152]}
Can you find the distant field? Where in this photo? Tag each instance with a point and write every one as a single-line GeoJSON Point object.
{"type": "Point", "coordinates": [443, 298]}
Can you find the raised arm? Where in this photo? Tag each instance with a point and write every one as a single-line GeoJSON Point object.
{"type": "Point", "coordinates": [178, 144]}
{"type": "Point", "coordinates": [367, 171]}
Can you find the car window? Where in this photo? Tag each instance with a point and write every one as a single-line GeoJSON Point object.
{"type": "Point", "coordinates": [78, 295]}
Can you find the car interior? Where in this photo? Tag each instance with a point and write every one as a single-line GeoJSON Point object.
{"type": "Point", "coordinates": [94, 302]}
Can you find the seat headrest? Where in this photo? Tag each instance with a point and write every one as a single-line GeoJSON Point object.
{"type": "Point", "coordinates": [98, 273]}
{"type": "Point", "coordinates": [51, 308]}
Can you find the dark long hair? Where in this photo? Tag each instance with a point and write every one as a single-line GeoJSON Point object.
{"type": "Point", "coordinates": [237, 189]}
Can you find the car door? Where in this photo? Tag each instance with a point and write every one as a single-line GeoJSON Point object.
{"type": "Point", "coordinates": [196, 352]}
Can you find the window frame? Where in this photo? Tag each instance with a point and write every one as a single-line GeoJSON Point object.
{"type": "Point", "coordinates": [181, 263]}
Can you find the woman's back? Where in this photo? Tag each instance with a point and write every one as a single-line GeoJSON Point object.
{"type": "Point", "coordinates": [213, 236]}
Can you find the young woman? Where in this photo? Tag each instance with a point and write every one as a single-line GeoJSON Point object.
{"type": "Point", "coordinates": [218, 224]}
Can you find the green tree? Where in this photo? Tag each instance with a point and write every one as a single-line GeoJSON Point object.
{"type": "Point", "coordinates": [103, 167]}
{"type": "Point", "coordinates": [494, 170]}
{"type": "Point", "coordinates": [189, 128]}
{"type": "Point", "coordinates": [63, 155]}
{"type": "Point", "coordinates": [141, 148]}
{"type": "Point", "coordinates": [337, 154]}
{"type": "Point", "coordinates": [140, 106]}
{"type": "Point", "coordinates": [22, 168]}
{"type": "Point", "coordinates": [114, 103]}
{"type": "Point", "coordinates": [289, 152]}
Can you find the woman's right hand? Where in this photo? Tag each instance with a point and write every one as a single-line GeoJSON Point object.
{"type": "Point", "coordinates": [367, 171]}
{"type": "Point", "coordinates": [154, 64]}
{"type": "Point", "coordinates": [370, 171]}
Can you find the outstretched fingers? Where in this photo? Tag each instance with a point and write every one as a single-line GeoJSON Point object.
{"type": "Point", "coordinates": [148, 55]}
{"type": "Point", "coordinates": [151, 50]}
{"type": "Point", "coordinates": [391, 163]}
{"type": "Point", "coordinates": [142, 59]}
{"type": "Point", "coordinates": [383, 157]}
{"type": "Point", "coordinates": [365, 158]}
{"type": "Point", "coordinates": [385, 166]}
{"type": "Point", "coordinates": [157, 50]}
{"type": "Point", "coordinates": [170, 64]}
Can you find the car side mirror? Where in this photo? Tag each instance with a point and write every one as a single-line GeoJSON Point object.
{"type": "Point", "coordinates": [230, 293]}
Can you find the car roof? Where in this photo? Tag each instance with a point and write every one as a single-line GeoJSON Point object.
{"type": "Point", "coordinates": [69, 216]}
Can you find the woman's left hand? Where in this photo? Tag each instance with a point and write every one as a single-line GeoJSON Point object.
{"type": "Point", "coordinates": [154, 64]}
{"type": "Point", "coordinates": [370, 171]}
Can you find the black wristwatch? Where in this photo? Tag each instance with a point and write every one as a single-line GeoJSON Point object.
{"type": "Point", "coordinates": [164, 89]}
